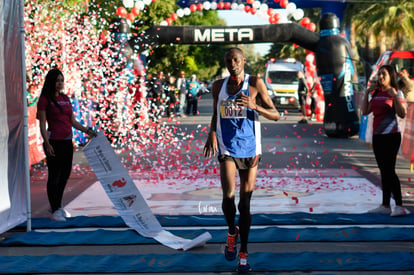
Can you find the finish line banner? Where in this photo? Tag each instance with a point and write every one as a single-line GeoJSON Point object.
{"type": "Point", "coordinates": [127, 199]}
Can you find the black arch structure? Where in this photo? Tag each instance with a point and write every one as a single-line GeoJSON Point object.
{"type": "Point", "coordinates": [332, 55]}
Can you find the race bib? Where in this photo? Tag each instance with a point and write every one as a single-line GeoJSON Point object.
{"type": "Point", "coordinates": [230, 109]}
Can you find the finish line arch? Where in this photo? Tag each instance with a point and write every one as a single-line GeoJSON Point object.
{"type": "Point", "coordinates": [332, 54]}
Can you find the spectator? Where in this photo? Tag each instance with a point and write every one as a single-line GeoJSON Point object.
{"type": "Point", "coordinates": [302, 94]}
{"type": "Point", "coordinates": [171, 97]}
{"type": "Point", "coordinates": [55, 109]}
{"type": "Point", "coordinates": [156, 93]}
{"type": "Point", "coordinates": [192, 95]}
{"type": "Point", "coordinates": [385, 101]}
{"type": "Point", "coordinates": [182, 93]}
{"type": "Point", "coordinates": [406, 85]}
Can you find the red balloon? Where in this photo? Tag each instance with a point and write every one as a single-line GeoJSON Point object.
{"type": "Point", "coordinates": [270, 11]}
{"type": "Point", "coordinates": [276, 17]}
{"type": "Point", "coordinates": [121, 11]}
{"type": "Point", "coordinates": [284, 3]}
{"type": "Point", "coordinates": [174, 16]}
{"type": "Point", "coordinates": [193, 7]}
{"type": "Point", "coordinates": [220, 5]}
{"type": "Point", "coordinates": [200, 6]}
{"type": "Point", "coordinates": [253, 10]}
{"type": "Point", "coordinates": [320, 94]}
{"type": "Point", "coordinates": [319, 117]}
{"type": "Point", "coordinates": [276, 1]}
{"type": "Point", "coordinates": [311, 70]}
{"type": "Point", "coordinates": [305, 21]}
{"type": "Point", "coordinates": [247, 8]}
{"type": "Point", "coordinates": [169, 21]}
{"type": "Point", "coordinates": [130, 17]}
{"type": "Point", "coordinates": [250, 1]}
{"type": "Point", "coordinates": [227, 5]}
{"type": "Point", "coordinates": [135, 11]}
{"type": "Point", "coordinates": [312, 26]}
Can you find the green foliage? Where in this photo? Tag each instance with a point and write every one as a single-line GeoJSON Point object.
{"type": "Point", "coordinates": [395, 20]}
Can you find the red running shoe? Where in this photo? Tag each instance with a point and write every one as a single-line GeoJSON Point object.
{"type": "Point", "coordinates": [244, 265]}
{"type": "Point", "coordinates": [230, 250]}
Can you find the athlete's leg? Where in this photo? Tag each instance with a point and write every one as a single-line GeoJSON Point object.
{"type": "Point", "coordinates": [228, 184]}
{"type": "Point", "coordinates": [247, 184]}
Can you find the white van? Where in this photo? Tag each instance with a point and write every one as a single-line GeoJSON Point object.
{"type": "Point", "coordinates": [282, 81]}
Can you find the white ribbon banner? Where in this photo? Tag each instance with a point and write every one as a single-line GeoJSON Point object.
{"type": "Point", "coordinates": [127, 199]}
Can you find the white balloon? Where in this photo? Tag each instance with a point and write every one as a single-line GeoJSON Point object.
{"type": "Point", "coordinates": [291, 7]}
{"type": "Point", "coordinates": [264, 7]}
{"type": "Point", "coordinates": [214, 5]}
{"type": "Point", "coordinates": [234, 6]}
{"type": "Point", "coordinates": [128, 3]}
{"type": "Point", "coordinates": [256, 4]}
{"type": "Point", "coordinates": [180, 13]}
{"type": "Point", "coordinates": [163, 23]}
{"type": "Point", "coordinates": [207, 5]}
{"type": "Point", "coordinates": [140, 5]}
{"type": "Point", "coordinates": [147, 2]}
{"type": "Point", "coordinates": [187, 11]}
{"type": "Point", "coordinates": [284, 19]}
{"type": "Point", "coordinates": [262, 14]}
{"type": "Point", "coordinates": [310, 57]}
{"type": "Point", "coordinates": [298, 14]}
{"type": "Point", "coordinates": [241, 7]}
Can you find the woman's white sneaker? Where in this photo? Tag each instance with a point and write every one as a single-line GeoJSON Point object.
{"type": "Point", "coordinates": [399, 211]}
{"type": "Point", "coordinates": [58, 216]}
{"type": "Point", "coordinates": [65, 212]}
{"type": "Point", "coordinates": [381, 210]}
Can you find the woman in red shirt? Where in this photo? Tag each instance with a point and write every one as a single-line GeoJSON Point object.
{"type": "Point", "coordinates": [386, 101]}
{"type": "Point", "coordinates": [55, 108]}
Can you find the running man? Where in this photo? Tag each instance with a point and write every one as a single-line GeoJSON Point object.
{"type": "Point", "coordinates": [235, 135]}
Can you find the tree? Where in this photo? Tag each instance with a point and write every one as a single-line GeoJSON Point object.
{"type": "Point", "coordinates": [204, 61]}
{"type": "Point", "coordinates": [376, 26]}
{"type": "Point", "coordinates": [395, 20]}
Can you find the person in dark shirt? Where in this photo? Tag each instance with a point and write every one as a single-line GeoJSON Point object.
{"type": "Point", "coordinates": [302, 94]}
{"type": "Point", "coordinates": [55, 109]}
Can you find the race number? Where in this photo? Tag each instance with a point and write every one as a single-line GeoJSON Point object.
{"type": "Point", "coordinates": [230, 109]}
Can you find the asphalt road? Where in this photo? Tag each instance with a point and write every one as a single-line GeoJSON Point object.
{"type": "Point", "coordinates": [286, 145]}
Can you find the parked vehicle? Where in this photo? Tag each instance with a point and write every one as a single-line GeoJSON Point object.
{"type": "Point", "coordinates": [282, 81]}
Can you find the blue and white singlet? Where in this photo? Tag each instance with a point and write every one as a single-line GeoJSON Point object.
{"type": "Point", "coordinates": [238, 127]}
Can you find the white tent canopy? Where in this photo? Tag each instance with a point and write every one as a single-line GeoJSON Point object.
{"type": "Point", "coordinates": [14, 160]}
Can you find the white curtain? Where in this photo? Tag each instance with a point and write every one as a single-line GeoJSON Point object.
{"type": "Point", "coordinates": [14, 177]}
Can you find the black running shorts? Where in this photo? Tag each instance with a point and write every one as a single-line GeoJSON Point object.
{"type": "Point", "coordinates": [241, 163]}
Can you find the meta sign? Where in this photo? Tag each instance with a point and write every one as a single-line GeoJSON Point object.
{"type": "Point", "coordinates": [204, 35]}
{"type": "Point", "coordinates": [223, 35]}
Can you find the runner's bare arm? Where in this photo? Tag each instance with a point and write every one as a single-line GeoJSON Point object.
{"type": "Point", "coordinates": [266, 107]}
{"type": "Point", "coordinates": [211, 146]}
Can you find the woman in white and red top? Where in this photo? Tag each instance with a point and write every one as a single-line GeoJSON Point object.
{"type": "Point", "coordinates": [386, 101]}
{"type": "Point", "coordinates": [55, 108]}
